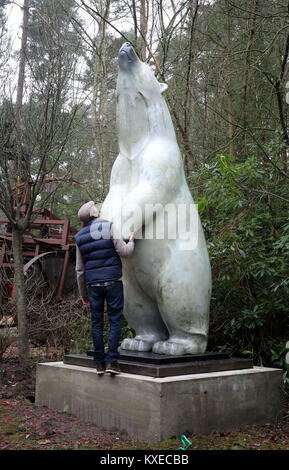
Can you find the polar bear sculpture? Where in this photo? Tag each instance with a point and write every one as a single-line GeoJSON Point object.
{"type": "Point", "coordinates": [167, 289]}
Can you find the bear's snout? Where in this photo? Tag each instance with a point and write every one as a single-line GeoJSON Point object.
{"type": "Point", "coordinates": [127, 56]}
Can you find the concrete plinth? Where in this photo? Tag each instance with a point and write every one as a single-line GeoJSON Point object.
{"type": "Point", "coordinates": [153, 409]}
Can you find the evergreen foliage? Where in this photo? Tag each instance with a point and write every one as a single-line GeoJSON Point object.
{"type": "Point", "coordinates": [244, 211]}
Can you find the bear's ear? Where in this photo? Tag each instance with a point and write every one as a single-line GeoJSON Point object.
{"type": "Point", "coordinates": [163, 87]}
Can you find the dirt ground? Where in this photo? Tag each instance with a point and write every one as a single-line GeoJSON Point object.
{"type": "Point", "coordinates": [23, 425]}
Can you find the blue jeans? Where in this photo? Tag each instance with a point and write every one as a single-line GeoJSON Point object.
{"type": "Point", "coordinates": [113, 294]}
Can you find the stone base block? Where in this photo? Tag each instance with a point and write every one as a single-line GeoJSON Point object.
{"type": "Point", "coordinates": [154, 409]}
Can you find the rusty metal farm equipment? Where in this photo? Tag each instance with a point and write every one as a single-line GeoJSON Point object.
{"type": "Point", "coordinates": [48, 253]}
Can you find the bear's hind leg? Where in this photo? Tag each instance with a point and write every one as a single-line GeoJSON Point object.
{"type": "Point", "coordinates": [186, 321]}
{"type": "Point", "coordinates": [143, 316]}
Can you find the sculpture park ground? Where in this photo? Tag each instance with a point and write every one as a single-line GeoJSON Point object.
{"type": "Point", "coordinates": [23, 425]}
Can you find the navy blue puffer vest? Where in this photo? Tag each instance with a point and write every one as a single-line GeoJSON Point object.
{"type": "Point", "coordinates": [101, 261]}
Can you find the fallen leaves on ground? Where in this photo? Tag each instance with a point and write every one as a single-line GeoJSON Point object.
{"type": "Point", "coordinates": [24, 425]}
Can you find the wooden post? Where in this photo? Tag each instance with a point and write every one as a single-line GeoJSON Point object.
{"type": "Point", "coordinates": [63, 274]}
{"type": "Point", "coordinates": [1, 263]}
{"type": "Point", "coordinates": [65, 231]}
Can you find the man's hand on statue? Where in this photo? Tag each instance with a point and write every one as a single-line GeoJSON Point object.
{"type": "Point", "coordinates": [126, 233]}
{"type": "Point", "coordinates": [131, 238]}
{"type": "Point", "coordinates": [85, 301]}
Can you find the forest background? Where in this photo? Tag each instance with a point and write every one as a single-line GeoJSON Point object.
{"type": "Point", "coordinates": [226, 66]}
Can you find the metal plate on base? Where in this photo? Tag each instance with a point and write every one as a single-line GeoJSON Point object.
{"type": "Point", "coordinates": [152, 358]}
{"type": "Point", "coordinates": [138, 363]}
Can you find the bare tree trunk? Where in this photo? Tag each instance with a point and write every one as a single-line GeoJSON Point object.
{"type": "Point", "coordinates": [189, 104]}
{"type": "Point", "coordinates": [100, 97]}
{"type": "Point", "coordinates": [206, 120]}
{"type": "Point", "coordinates": [189, 97]}
{"type": "Point", "coordinates": [17, 234]}
{"type": "Point", "coordinates": [19, 285]}
{"type": "Point", "coordinates": [22, 65]}
{"type": "Point", "coordinates": [280, 101]}
{"type": "Point", "coordinates": [246, 75]}
{"type": "Point", "coordinates": [230, 114]}
{"type": "Point", "coordinates": [229, 79]}
{"type": "Point", "coordinates": [20, 87]}
{"type": "Point", "coordinates": [134, 20]}
{"type": "Point", "coordinates": [144, 5]}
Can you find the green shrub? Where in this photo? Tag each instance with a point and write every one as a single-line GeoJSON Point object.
{"type": "Point", "coordinates": [80, 335]}
{"type": "Point", "coordinates": [244, 211]}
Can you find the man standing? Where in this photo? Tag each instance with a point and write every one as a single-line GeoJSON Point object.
{"type": "Point", "coordinates": [99, 272]}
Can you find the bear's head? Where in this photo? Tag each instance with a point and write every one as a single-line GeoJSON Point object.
{"type": "Point", "coordinates": [137, 75]}
{"type": "Point", "coordinates": [142, 113]}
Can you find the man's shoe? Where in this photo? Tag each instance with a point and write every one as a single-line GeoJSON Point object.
{"type": "Point", "coordinates": [100, 369]}
{"type": "Point", "coordinates": [113, 368]}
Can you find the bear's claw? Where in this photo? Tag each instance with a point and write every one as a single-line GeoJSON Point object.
{"type": "Point", "coordinates": [132, 344]}
{"type": "Point", "coordinates": [179, 349]}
